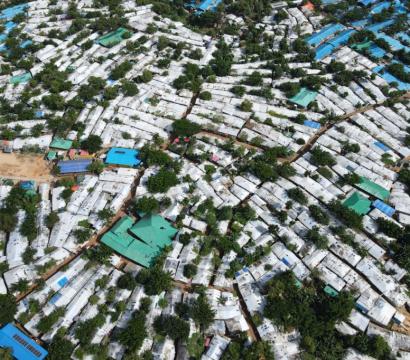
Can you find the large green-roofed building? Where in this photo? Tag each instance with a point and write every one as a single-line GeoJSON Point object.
{"type": "Point", "coordinates": [373, 189]}
{"type": "Point", "coordinates": [304, 97]}
{"type": "Point", "coordinates": [141, 242]}
{"type": "Point", "coordinates": [113, 38]}
{"type": "Point", "coordinates": [358, 203]}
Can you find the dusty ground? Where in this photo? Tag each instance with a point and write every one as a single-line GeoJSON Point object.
{"type": "Point", "coordinates": [24, 167]}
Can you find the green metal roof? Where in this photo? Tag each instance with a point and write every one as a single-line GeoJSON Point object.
{"type": "Point", "coordinates": [19, 79]}
{"type": "Point", "coordinates": [51, 155]}
{"type": "Point", "coordinates": [330, 291]}
{"type": "Point", "coordinates": [372, 188]}
{"type": "Point", "coordinates": [153, 230]}
{"type": "Point", "coordinates": [358, 203]}
{"type": "Point", "coordinates": [112, 38]}
{"type": "Point", "coordinates": [304, 97]}
{"type": "Point", "coordinates": [59, 143]}
{"type": "Point", "coordinates": [362, 45]}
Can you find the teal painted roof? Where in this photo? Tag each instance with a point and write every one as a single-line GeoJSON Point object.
{"type": "Point", "coordinates": [141, 242]}
{"type": "Point", "coordinates": [154, 230]}
{"type": "Point", "coordinates": [304, 97]}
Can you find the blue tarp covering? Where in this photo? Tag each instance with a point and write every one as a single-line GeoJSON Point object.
{"type": "Point", "coordinates": [380, 7]}
{"type": "Point", "coordinates": [323, 50]}
{"type": "Point", "coordinates": [286, 262]}
{"type": "Point", "coordinates": [360, 23]}
{"type": "Point", "coordinates": [380, 145]}
{"type": "Point", "coordinates": [367, 2]}
{"type": "Point", "coordinates": [62, 281]}
{"type": "Point", "coordinates": [22, 346]}
{"type": "Point", "coordinates": [27, 185]}
{"type": "Point", "coordinates": [317, 38]}
{"type": "Point", "coordinates": [379, 26]}
{"type": "Point", "coordinates": [390, 78]}
{"type": "Point", "coordinates": [74, 166]}
{"type": "Point", "coordinates": [123, 156]}
{"type": "Point", "coordinates": [342, 38]}
{"type": "Point", "coordinates": [10, 12]}
{"type": "Point", "coordinates": [39, 114]}
{"type": "Point", "coordinates": [376, 51]}
{"type": "Point", "coordinates": [55, 298]}
{"type": "Point", "coordinates": [204, 5]}
{"type": "Point", "coordinates": [312, 124]}
{"type": "Point", "coordinates": [403, 36]}
{"type": "Point", "coordinates": [384, 208]}
{"type": "Point", "coordinates": [394, 44]}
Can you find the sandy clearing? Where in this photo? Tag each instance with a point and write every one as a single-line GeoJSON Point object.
{"type": "Point", "coordinates": [24, 167]}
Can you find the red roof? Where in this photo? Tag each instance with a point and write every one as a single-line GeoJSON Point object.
{"type": "Point", "coordinates": [309, 6]}
{"type": "Point", "coordinates": [71, 153]}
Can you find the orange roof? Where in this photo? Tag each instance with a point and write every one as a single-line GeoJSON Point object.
{"type": "Point", "coordinates": [309, 6]}
{"type": "Point", "coordinates": [84, 153]}
{"type": "Point", "coordinates": [75, 187]}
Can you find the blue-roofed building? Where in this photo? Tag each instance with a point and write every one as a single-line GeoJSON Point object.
{"type": "Point", "coordinates": [382, 146]}
{"type": "Point", "coordinates": [312, 124]}
{"type": "Point", "coordinates": [323, 50]}
{"type": "Point", "coordinates": [379, 26]}
{"type": "Point", "coordinates": [10, 12]}
{"type": "Point", "coordinates": [28, 185]}
{"type": "Point", "coordinates": [390, 78]}
{"type": "Point", "coordinates": [342, 38]}
{"type": "Point", "coordinates": [204, 5]}
{"type": "Point", "coordinates": [123, 156]}
{"type": "Point", "coordinates": [378, 8]}
{"type": "Point", "coordinates": [367, 2]}
{"type": "Point", "coordinates": [384, 208]}
{"type": "Point", "coordinates": [74, 166]}
{"type": "Point", "coordinates": [317, 38]}
{"type": "Point", "coordinates": [23, 348]}
{"type": "Point", "coordinates": [62, 281]}
{"type": "Point", "coordinates": [376, 51]}
{"type": "Point", "coordinates": [393, 43]}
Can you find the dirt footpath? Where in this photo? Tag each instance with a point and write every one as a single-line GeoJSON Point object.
{"type": "Point", "coordinates": [24, 167]}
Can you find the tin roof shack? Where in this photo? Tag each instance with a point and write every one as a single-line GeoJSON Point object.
{"type": "Point", "coordinates": [358, 203]}
{"type": "Point", "coordinates": [23, 348]}
{"type": "Point", "coordinates": [141, 242]}
{"type": "Point", "coordinates": [123, 157]}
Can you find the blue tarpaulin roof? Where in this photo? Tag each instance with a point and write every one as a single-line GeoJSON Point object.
{"type": "Point", "coordinates": [62, 281]}
{"type": "Point", "coordinates": [379, 26]}
{"type": "Point", "coordinates": [376, 51]}
{"type": "Point", "coordinates": [380, 145]}
{"type": "Point", "coordinates": [383, 207]}
{"type": "Point", "coordinates": [22, 346]}
{"type": "Point", "coordinates": [312, 124]}
{"type": "Point", "coordinates": [323, 50]}
{"type": "Point", "coordinates": [316, 38]}
{"type": "Point", "coordinates": [378, 8]}
{"type": "Point", "coordinates": [10, 12]}
{"type": "Point", "coordinates": [342, 38]}
{"type": "Point", "coordinates": [367, 2]}
{"type": "Point", "coordinates": [74, 166]}
{"type": "Point", "coordinates": [394, 44]}
{"type": "Point", "coordinates": [123, 156]}
{"type": "Point", "coordinates": [390, 78]}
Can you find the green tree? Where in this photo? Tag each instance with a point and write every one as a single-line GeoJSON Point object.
{"type": "Point", "coordinates": [146, 205]}
{"type": "Point", "coordinates": [185, 127]}
{"type": "Point", "coordinates": [155, 280]}
{"type": "Point", "coordinates": [126, 281]}
{"type": "Point", "coordinates": [162, 181]}
{"type": "Point", "coordinates": [202, 312]}
{"type": "Point", "coordinates": [8, 308]}
{"type": "Point", "coordinates": [93, 144]}
{"type": "Point", "coordinates": [51, 219]}
{"type": "Point", "coordinates": [172, 326]}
